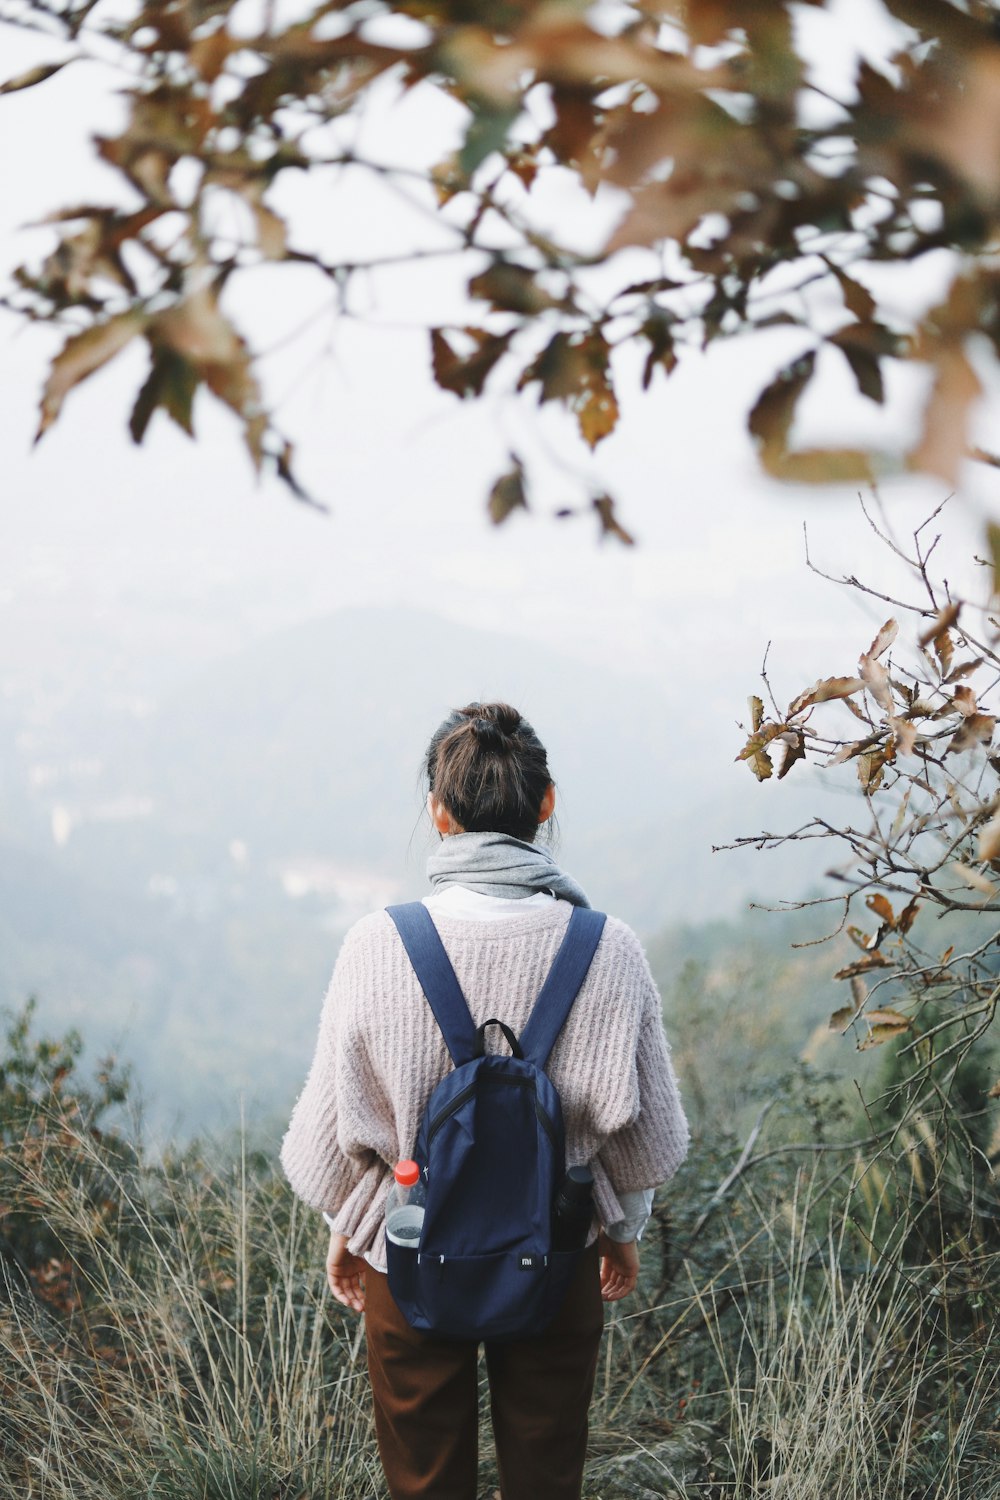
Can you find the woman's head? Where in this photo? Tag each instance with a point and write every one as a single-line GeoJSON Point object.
{"type": "Point", "coordinates": [487, 771]}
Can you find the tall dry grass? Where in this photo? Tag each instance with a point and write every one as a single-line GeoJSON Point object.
{"type": "Point", "coordinates": [194, 1352]}
{"type": "Point", "coordinates": [186, 1347]}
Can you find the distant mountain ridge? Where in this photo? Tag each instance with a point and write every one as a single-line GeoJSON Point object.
{"type": "Point", "coordinates": [310, 744]}
{"type": "Point", "coordinates": [284, 795]}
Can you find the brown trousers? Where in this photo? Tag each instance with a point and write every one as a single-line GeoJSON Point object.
{"type": "Point", "coordinates": [425, 1391]}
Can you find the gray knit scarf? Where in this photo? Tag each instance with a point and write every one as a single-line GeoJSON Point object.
{"type": "Point", "coordinates": [497, 865]}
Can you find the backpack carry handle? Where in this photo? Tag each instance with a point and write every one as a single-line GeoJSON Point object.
{"type": "Point", "coordinates": [512, 1041]}
{"type": "Point", "coordinates": [440, 984]}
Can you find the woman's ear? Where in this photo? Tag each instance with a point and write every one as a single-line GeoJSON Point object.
{"type": "Point", "coordinates": [548, 804]}
{"type": "Point", "coordinates": [440, 816]}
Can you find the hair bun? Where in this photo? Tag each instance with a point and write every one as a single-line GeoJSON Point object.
{"type": "Point", "coordinates": [487, 767]}
{"type": "Point", "coordinates": [490, 736]}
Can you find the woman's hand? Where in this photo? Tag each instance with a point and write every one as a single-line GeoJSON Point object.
{"type": "Point", "coordinates": [346, 1274]}
{"type": "Point", "coordinates": [619, 1267]}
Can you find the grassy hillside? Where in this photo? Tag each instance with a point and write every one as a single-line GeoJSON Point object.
{"type": "Point", "coordinates": [815, 1321]}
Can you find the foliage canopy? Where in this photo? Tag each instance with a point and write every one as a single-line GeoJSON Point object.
{"type": "Point", "coordinates": [758, 197]}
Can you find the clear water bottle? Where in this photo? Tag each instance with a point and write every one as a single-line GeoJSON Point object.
{"type": "Point", "coordinates": [573, 1210]}
{"type": "Point", "coordinates": [404, 1210]}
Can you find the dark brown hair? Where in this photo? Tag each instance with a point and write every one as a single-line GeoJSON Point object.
{"type": "Point", "coordinates": [489, 768]}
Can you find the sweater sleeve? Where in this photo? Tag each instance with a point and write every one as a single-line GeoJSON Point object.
{"type": "Point", "coordinates": [647, 1150]}
{"type": "Point", "coordinates": [322, 1154]}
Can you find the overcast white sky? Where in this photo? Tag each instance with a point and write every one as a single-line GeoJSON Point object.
{"type": "Point", "coordinates": [92, 525]}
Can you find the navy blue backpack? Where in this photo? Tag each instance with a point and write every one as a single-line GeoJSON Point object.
{"type": "Point", "coordinates": [491, 1152]}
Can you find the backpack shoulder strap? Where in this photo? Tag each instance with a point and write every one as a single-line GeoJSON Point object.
{"type": "Point", "coordinates": [569, 970]}
{"type": "Point", "coordinates": [438, 979]}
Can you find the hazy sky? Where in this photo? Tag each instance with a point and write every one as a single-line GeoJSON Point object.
{"type": "Point", "coordinates": [91, 528]}
{"type": "Point", "coordinates": [150, 563]}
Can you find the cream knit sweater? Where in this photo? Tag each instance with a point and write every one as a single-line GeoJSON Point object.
{"type": "Point", "coordinates": [380, 1054]}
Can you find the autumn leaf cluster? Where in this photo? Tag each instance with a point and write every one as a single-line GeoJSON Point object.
{"type": "Point", "coordinates": [767, 197]}
{"type": "Point", "coordinates": [917, 722]}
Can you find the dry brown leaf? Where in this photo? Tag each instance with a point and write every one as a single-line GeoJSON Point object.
{"type": "Point", "coordinates": [573, 135]}
{"type": "Point", "coordinates": [29, 79]}
{"type": "Point", "coordinates": [905, 733]}
{"type": "Point", "coordinates": [878, 1035]}
{"type": "Point", "coordinates": [993, 538]}
{"type": "Point", "coordinates": [842, 1018]}
{"type": "Point", "coordinates": [871, 767]}
{"type": "Point", "coordinates": [964, 669]}
{"type": "Point", "coordinates": [754, 752]}
{"type": "Point", "coordinates": [866, 367]}
{"type": "Point", "coordinates": [708, 21]}
{"type": "Point", "coordinates": [465, 374]}
{"type": "Point", "coordinates": [508, 493]}
{"type": "Point", "coordinates": [882, 908]}
{"type": "Point", "coordinates": [900, 818]}
{"type": "Point", "coordinates": [977, 729]}
{"type": "Point", "coordinates": [658, 332]}
{"type": "Point", "coordinates": [823, 690]}
{"type": "Point", "coordinates": [964, 127]}
{"type": "Point", "coordinates": [847, 752]}
{"type": "Point", "coordinates": [818, 465]}
{"type": "Point", "coordinates": [597, 414]}
{"type": "Point", "coordinates": [477, 59]}
{"type": "Point", "coordinates": [208, 54]}
{"type": "Point", "coordinates": [947, 617]}
{"type": "Point", "coordinates": [883, 639]}
{"type": "Point", "coordinates": [508, 287]}
{"type": "Point", "coordinates": [688, 134]}
{"type": "Point", "coordinates": [610, 524]}
{"type": "Point", "coordinates": [756, 707]}
{"type": "Point", "coordinates": [523, 163]}
{"type": "Point", "coordinates": [906, 917]}
{"type": "Point", "coordinates": [944, 649]}
{"type": "Point", "coordinates": [171, 386]}
{"type": "Point", "coordinates": [81, 356]}
{"type": "Point", "coordinates": [876, 679]}
{"type": "Point", "coordinates": [855, 710]}
{"type": "Point", "coordinates": [988, 846]}
{"type": "Point", "coordinates": [886, 1017]}
{"type": "Point", "coordinates": [883, 1026]}
{"type": "Point", "coordinates": [574, 368]}
{"type": "Point", "coordinates": [872, 960]}
{"type": "Point", "coordinates": [771, 418]}
{"type": "Point", "coordinates": [944, 441]}
{"type": "Point", "coordinates": [198, 330]}
{"type": "Point", "coordinates": [566, 49]}
{"type": "Point", "coordinates": [667, 212]}
{"type": "Point", "coordinates": [857, 298]}
{"type": "Point", "coordinates": [794, 742]}
{"type": "Point", "coordinates": [251, 185]}
{"type": "Point", "coordinates": [974, 879]}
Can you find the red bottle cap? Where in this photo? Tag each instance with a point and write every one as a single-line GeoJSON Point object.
{"type": "Point", "coordinates": [407, 1173]}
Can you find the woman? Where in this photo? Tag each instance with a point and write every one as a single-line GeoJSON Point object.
{"type": "Point", "coordinates": [501, 907]}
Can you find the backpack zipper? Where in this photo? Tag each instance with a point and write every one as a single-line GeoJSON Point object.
{"type": "Point", "coordinates": [450, 1109]}
{"type": "Point", "coordinates": [466, 1094]}
{"type": "Point", "coordinates": [546, 1124]}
